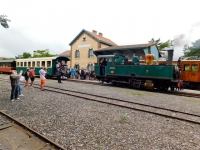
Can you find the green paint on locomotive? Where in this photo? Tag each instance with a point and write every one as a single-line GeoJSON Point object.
{"type": "Point", "coordinates": [154, 71]}
{"type": "Point", "coordinates": [117, 67]}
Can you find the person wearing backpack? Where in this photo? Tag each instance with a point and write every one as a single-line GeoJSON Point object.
{"type": "Point", "coordinates": [26, 76]}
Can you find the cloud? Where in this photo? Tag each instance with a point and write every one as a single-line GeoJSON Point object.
{"type": "Point", "coordinates": [15, 41]}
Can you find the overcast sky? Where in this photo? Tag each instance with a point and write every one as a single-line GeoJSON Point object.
{"type": "Point", "coordinates": [53, 24]}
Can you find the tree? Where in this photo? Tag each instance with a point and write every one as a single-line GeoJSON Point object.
{"type": "Point", "coordinates": [24, 55]}
{"type": "Point", "coordinates": [4, 21]}
{"type": "Point", "coordinates": [162, 45]}
{"type": "Point", "coordinates": [42, 53]}
{"type": "Point", "coordinates": [192, 52]}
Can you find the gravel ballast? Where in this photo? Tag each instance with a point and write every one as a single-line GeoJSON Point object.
{"type": "Point", "coordinates": [84, 125]}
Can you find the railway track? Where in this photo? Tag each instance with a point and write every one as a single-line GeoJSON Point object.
{"type": "Point", "coordinates": [16, 135]}
{"type": "Point", "coordinates": [161, 111]}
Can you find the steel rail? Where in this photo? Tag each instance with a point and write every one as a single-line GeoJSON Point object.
{"type": "Point", "coordinates": [128, 107]}
{"type": "Point", "coordinates": [164, 115]}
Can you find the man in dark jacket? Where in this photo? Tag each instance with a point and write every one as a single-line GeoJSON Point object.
{"type": "Point", "coordinates": [14, 81]}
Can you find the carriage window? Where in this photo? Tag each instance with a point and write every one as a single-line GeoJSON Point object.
{"type": "Point", "coordinates": [43, 63]}
{"type": "Point", "coordinates": [17, 64]}
{"type": "Point", "coordinates": [48, 63]}
{"type": "Point", "coordinates": [29, 64]}
{"type": "Point", "coordinates": [38, 63]}
{"type": "Point", "coordinates": [194, 68]}
{"type": "Point", "coordinates": [21, 64]}
{"type": "Point", "coordinates": [186, 68]}
{"type": "Point", "coordinates": [33, 64]}
{"type": "Point", "coordinates": [25, 64]}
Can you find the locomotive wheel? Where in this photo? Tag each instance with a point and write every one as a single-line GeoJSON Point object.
{"type": "Point", "coordinates": [161, 87]}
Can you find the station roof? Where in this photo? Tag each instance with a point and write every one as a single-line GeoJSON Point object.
{"type": "Point", "coordinates": [10, 60]}
{"type": "Point", "coordinates": [99, 38]}
{"type": "Point", "coordinates": [66, 53]}
{"type": "Point", "coordinates": [124, 47]}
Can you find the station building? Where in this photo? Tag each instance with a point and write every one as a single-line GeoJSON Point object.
{"type": "Point", "coordinates": [86, 43]}
{"type": "Point", "coordinates": [82, 47]}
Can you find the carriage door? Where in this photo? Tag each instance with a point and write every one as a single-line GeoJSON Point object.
{"type": "Point", "coordinates": [185, 71]}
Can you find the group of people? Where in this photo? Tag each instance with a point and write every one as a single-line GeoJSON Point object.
{"type": "Point", "coordinates": [83, 74]}
{"type": "Point", "coordinates": [73, 73]}
{"type": "Point", "coordinates": [15, 78]}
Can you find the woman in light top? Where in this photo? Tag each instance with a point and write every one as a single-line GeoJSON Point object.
{"type": "Point", "coordinates": [42, 78]}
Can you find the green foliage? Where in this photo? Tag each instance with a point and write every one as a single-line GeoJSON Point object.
{"type": "Point", "coordinates": [192, 52]}
{"type": "Point", "coordinates": [26, 55]}
{"type": "Point", "coordinates": [42, 53]}
{"type": "Point", "coordinates": [161, 45]}
{"type": "Point", "coordinates": [123, 118]}
{"type": "Point", "coordinates": [4, 21]}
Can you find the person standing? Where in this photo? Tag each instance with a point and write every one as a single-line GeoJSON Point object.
{"type": "Point", "coordinates": [179, 63]}
{"type": "Point", "coordinates": [32, 75]}
{"type": "Point", "coordinates": [59, 75]}
{"type": "Point", "coordinates": [18, 84]}
{"type": "Point", "coordinates": [14, 90]}
{"type": "Point", "coordinates": [26, 76]}
{"type": "Point", "coordinates": [72, 71]}
{"type": "Point", "coordinates": [42, 78]}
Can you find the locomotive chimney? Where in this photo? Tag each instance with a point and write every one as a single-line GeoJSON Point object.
{"type": "Point", "coordinates": [170, 56]}
{"type": "Point", "coordinates": [170, 53]}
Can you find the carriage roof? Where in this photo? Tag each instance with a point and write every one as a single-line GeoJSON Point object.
{"type": "Point", "coordinates": [7, 60]}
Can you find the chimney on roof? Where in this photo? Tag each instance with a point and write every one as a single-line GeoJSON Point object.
{"type": "Point", "coordinates": [100, 34]}
{"type": "Point", "coordinates": [94, 31]}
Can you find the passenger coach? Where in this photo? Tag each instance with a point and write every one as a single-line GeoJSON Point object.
{"type": "Point", "coordinates": [6, 66]}
{"type": "Point", "coordinates": [49, 64]}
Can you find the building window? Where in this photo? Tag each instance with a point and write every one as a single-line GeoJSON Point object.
{"type": "Point", "coordinates": [84, 39]}
{"type": "Point", "coordinates": [76, 66]}
{"type": "Point", "coordinates": [90, 53]}
{"type": "Point", "coordinates": [90, 67]}
{"type": "Point", "coordinates": [77, 53]}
